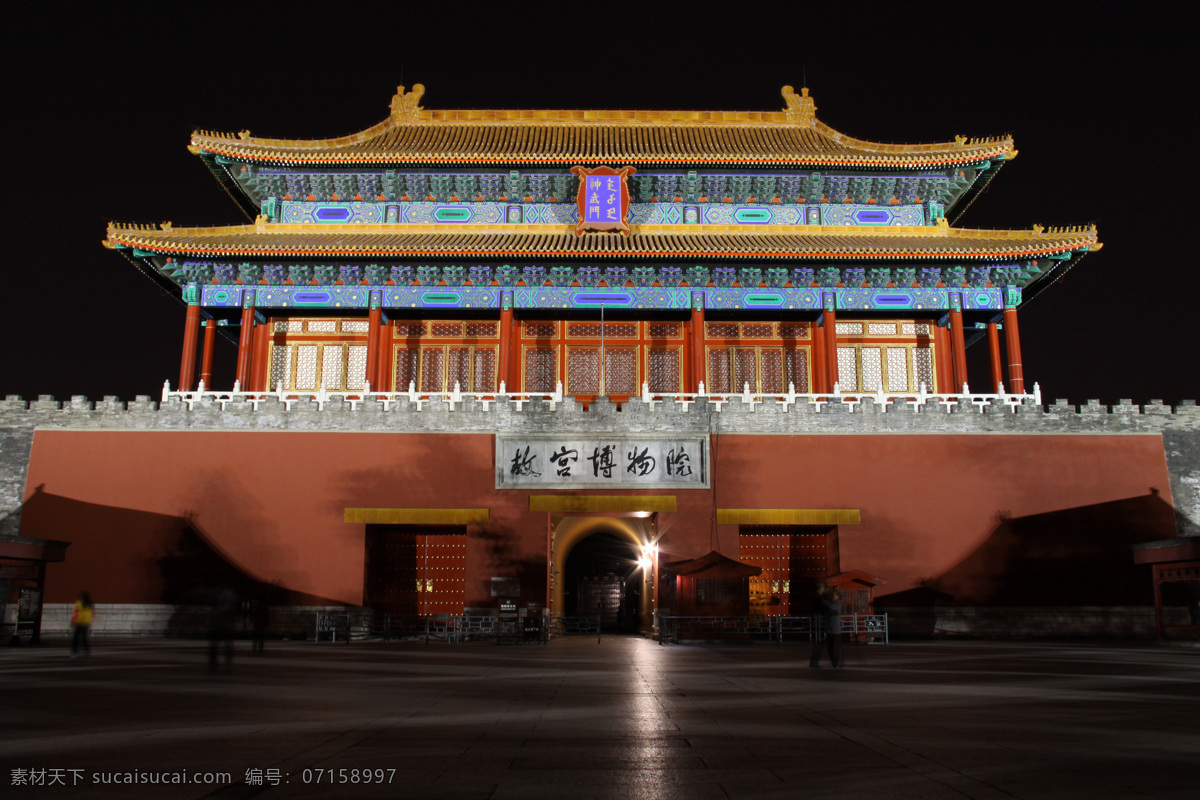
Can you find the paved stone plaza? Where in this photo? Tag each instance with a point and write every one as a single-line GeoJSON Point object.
{"type": "Point", "coordinates": [622, 719]}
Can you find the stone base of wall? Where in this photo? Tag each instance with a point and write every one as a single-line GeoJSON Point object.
{"type": "Point", "coordinates": [146, 619]}
{"type": "Point", "coordinates": [1130, 622]}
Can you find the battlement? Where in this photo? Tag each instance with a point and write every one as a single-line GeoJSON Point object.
{"type": "Point", "coordinates": [725, 414]}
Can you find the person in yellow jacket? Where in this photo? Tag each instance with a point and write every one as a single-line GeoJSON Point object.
{"type": "Point", "coordinates": [81, 621]}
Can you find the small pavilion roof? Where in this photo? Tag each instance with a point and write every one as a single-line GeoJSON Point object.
{"type": "Point", "coordinates": [711, 565]}
{"type": "Point", "coordinates": [792, 137]}
{"type": "Point", "coordinates": [783, 243]}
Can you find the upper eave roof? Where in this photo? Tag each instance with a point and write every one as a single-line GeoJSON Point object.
{"type": "Point", "coordinates": [414, 135]}
{"type": "Point", "coordinates": [265, 240]}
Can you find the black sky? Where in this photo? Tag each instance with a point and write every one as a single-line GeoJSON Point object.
{"type": "Point", "coordinates": [101, 101]}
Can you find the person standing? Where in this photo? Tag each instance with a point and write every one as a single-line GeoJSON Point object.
{"type": "Point", "coordinates": [82, 617]}
{"type": "Point", "coordinates": [827, 626]}
{"type": "Point", "coordinates": [224, 619]}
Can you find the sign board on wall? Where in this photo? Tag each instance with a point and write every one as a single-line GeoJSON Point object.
{"type": "Point", "coordinates": [626, 461]}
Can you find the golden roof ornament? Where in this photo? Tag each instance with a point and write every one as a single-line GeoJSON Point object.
{"type": "Point", "coordinates": [800, 107]}
{"type": "Point", "coordinates": [405, 107]}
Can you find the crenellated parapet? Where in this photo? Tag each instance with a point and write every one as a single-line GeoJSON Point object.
{"type": "Point", "coordinates": [730, 414]}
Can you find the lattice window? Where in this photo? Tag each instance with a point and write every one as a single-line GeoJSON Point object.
{"type": "Point", "coordinates": [743, 365]}
{"type": "Point", "coordinates": [923, 367]}
{"type": "Point", "coordinates": [620, 371]}
{"type": "Point", "coordinates": [458, 369]}
{"type": "Point", "coordinates": [407, 359]}
{"type": "Point", "coordinates": [797, 369]}
{"type": "Point", "coordinates": [540, 330]}
{"type": "Point", "coordinates": [483, 330]}
{"type": "Point", "coordinates": [897, 369]}
{"type": "Point", "coordinates": [914, 328]}
{"type": "Point", "coordinates": [453, 329]}
{"type": "Point", "coordinates": [322, 326]}
{"type": "Point", "coordinates": [792, 330]}
{"type": "Point", "coordinates": [612, 330]}
{"type": "Point", "coordinates": [583, 330]}
{"type": "Point", "coordinates": [281, 366]}
{"type": "Point", "coordinates": [583, 371]}
{"type": "Point", "coordinates": [847, 360]}
{"type": "Point", "coordinates": [485, 369]}
{"type": "Point", "coordinates": [332, 367]}
{"type": "Point", "coordinates": [881, 328]}
{"type": "Point", "coordinates": [431, 369]}
{"type": "Point", "coordinates": [757, 331]}
{"type": "Point", "coordinates": [663, 370]}
{"type": "Point", "coordinates": [718, 371]}
{"type": "Point", "coordinates": [849, 328]}
{"type": "Point", "coordinates": [356, 326]}
{"type": "Point", "coordinates": [289, 326]}
{"type": "Point", "coordinates": [356, 367]}
{"type": "Point", "coordinates": [771, 371]}
{"type": "Point", "coordinates": [664, 330]}
{"type": "Point", "coordinates": [541, 369]}
{"type": "Point", "coordinates": [306, 367]}
{"type": "Point", "coordinates": [721, 330]}
{"type": "Point", "coordinates": [872, 369]}
{"type": "Point", "coordinates": [407, 329]}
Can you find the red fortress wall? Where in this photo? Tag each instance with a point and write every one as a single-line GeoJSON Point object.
{"type": "Point", "coordinates": [272, 503]}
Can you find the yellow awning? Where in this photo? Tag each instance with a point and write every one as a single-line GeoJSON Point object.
{"type": "Point", "coordinates": [788, 516]}
{"type": "Point", "coordinates": [599, 503]}
{"type": "Point", "coordinates": [417, 516]}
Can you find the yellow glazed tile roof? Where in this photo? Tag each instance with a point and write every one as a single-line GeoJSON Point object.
{"type": "Point", "coordinates": [412, 134]}
{"type": "Point", "coordinates": [647, 241]}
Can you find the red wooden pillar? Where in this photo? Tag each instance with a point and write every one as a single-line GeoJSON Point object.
{"type": "Point", "coordinates": [829, 318]}
{"type": "Point", "coordinates": [1012, 341]}
{"type": "Point", "coordinates": [958, 345]}
{"type": "Point", "coordinates": [943, 374]}
{"type": "Point", "coordinates": [993, 337]}
{"type": "Point", "coordinates": [260, 360]}
{"type": "Point", "coordinates": [385, 366]}
{"type": "Point", "coordinates": [206, 360]}
{"type": "Point", "coordinates": [506, 342]}
{"type": "Point", "coordinates": [373, 318]}
{"type": "Point", "coordinates": [245, 340]}
{"type": "Point", "coordinates": [818, 349]}
{"type": "Point", "coordinates": [191, 335]}
{"type": "Point", "coordinates": [696, 343]}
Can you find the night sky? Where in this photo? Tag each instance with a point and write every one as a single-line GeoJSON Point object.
{"type": "Point", "coordinates": [101, 102]}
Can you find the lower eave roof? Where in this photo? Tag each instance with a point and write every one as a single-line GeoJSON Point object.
{"type": "Point", "coordinates": [266, 240]}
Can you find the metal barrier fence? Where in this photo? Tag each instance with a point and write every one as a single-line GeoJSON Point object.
{"type": "Point", "coordinates": [864, 628]}
{"type": "Point", "coordinates": [569, 626]}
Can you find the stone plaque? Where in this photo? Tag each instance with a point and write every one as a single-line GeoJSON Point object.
{"type": "Point", "coordinates": [619, 461]}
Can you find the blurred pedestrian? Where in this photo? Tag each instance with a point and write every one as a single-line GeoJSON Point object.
{"type": "Point", "coordinates": [82, 617]}
{"type": "Point", "coordinates": [826, 625]}
{"type": "Point", "coordinates": [260, 618]}
{"type": "Point", "coordinates": [224, 618]}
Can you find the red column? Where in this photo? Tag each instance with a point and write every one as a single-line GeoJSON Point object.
{"type": "Point", "coordinates": [373, 318]}
{"type": "Point", "coordinates": [829, 317]}
{"type": "Point", "coordinates": [206, 360]}
{"type": "Point", "coordinates": [384, 365]}
{"type": "Point", "coordinates": [191, 334]}
{"type": "Point", "coordinates": [696, 342]}
{"type": "Point", "coordinates": [818, 350]}
{"type": "Point", "coordinates": [1012, 341]}
{"type": "Point", "coordinates": [506, 336]}
{"type": "Point", "coordinates": [958, 349]}
{"type": "Point", "coordinates": [993, 338]}
{"type": "Point", "coordinates": [261, 360]}
{"type": "Point", "coordinates": [941, 351]}
{"type": "Point", "coordinates": [245, 341]}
